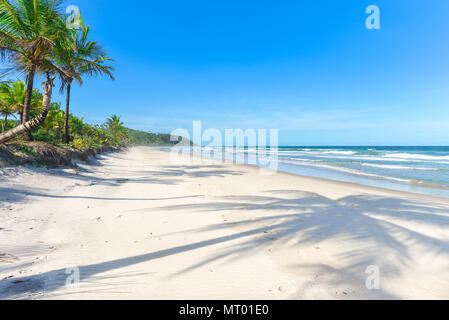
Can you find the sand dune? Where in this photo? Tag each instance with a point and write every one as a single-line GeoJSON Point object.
{"type": "Point", "coordinates": [137, 226]}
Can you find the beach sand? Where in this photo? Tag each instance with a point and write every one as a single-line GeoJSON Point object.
{"type": "Point", "coordinates": [137, 226]}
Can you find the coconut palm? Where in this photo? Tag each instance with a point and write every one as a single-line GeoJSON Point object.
{"type": "Point", "coordinates": [116, 127]}
{"type": "Point", "coordinates": [13, 94]}
{"type": "Point", "coordinates": [29, 33]}
{"type": "Point", "coordinates": [114, 124]}
{"type": "Point", "coordinates": [6, 110]}
{"type": "Point", "coordinates": [83, 58]}
{"type": "Point", "coordinates": [38, 120]}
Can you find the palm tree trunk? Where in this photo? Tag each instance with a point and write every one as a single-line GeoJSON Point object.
{"type": "Point", "coordinates": [27, 103]}
{"type": "Point", "coordinates": [4, 123]}
{"type": "Point", "coordinates": [65, 138]}
{"type": "Point", "coordinates": [35, 122]}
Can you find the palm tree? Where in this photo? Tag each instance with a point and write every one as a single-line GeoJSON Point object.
{"type": "Point", "coordinates": [84, 58]}
{"type": "Point", "coordinates": [116, 127]}
{"type": "Point", "coordinates": [12, 95]}
{"type": "Point", "coordinates": [29, 33]}
{"type": "Point", "coordinates": [114, 124]}
{"type": "Point", "coordinates": [38, 120]}
{"type": "Point", "coordinates": [6, 110]}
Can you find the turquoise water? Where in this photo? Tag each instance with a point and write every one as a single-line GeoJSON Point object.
{"type": "Point", "coordinates": [413, 169]}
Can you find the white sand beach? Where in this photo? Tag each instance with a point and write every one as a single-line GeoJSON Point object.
{"type": "Point", "coordinates": [138, 227]}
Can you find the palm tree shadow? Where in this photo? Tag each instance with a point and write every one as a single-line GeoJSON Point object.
{"type": "Point", "coordinates": [293, 219]}
{"type": "Point", "coordinates": [56, 279]}
{"type": "Point", "coordinates": [374, 223]}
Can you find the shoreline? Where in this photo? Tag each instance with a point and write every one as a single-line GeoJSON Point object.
{"type": "Point", "coordinates": [137, 226]}
{"type": "Point", "coordinates": [331, 181]}
{"type": "Point", "coordinates": [356, 165]}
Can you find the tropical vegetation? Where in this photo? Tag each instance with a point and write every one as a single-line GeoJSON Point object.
{"type": "Point", "coordinates": [83, 135]}
{"type": "Point", "coordinates": [35, 43]}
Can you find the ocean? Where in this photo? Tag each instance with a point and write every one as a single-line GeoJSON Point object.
{"type": "Point", "coordinates": [422, 170]}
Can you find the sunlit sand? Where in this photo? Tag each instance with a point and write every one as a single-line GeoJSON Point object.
{"type": "Point", "coordinates": [138, 227]}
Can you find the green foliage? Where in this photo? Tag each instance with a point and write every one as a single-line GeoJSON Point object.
{"type": "Point", "coordinates": [82, 58]}
{"type": "Point", "coordinates": [35, 41]}
{"type": "Point", "coordinates": [28, 151]}
{"type": "Point", "coordinates": [147, 138]}
{"type": "Point", "coordinates": [8, 125]}
{"type": "Point", "coordinates": [29, 33]}
{"type": "Point", "coordinates": [12, 98]}
{"type": "Point", "coordinates": [84, 136]}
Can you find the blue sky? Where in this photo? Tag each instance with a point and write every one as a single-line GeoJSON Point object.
{"type": "Point", "coordinates": [309, 68]}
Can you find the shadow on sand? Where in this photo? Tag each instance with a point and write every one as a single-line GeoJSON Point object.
{"type": "Point", "coordinates": [288, 218]}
